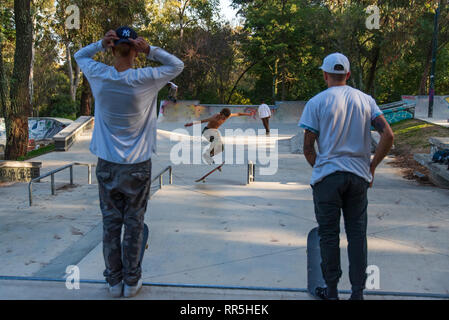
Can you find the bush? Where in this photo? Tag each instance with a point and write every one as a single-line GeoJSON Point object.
{"type": "Point", "coordinates": [62, 106]}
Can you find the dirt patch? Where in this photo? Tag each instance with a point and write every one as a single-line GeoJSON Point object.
{"type": "Point", "coordinates": [411, 169]}
{"type": "Point", "coordinates": [412, 136]}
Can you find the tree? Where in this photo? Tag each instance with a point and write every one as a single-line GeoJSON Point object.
{"type": "Point", "coordinates": [17, 111]}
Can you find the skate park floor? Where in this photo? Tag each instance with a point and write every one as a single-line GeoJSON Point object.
{"type": "Point", "coordinates": [221, 233]}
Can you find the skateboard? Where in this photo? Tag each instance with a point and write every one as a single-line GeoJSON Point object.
{"type": "Point", "coordinates": [314, 274]}
{"type": "Point", "coordinates": [210, 172]}
{"type": "Point", "coordinates": [145, 243]}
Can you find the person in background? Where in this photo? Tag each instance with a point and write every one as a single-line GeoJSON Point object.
{"type": "Point", "coordinates": [264, 115]}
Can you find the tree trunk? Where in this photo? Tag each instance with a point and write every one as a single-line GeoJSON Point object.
{"type": "Point", "coordinates": [425, 75]}
{"type": "Point", "coordinates": [3, 83]}
{"type": "Point", "coordinates": [16, 115]}
{"type": "Point", "coordinates": [34, 110]}
{"type": "Point", "coordinates": [238, 80]}
{"type": "Point", "coordinates": [283, 90]}
{"type": "Point", "coordinates": [86, 98]}
{"type": "Point", "coordinates": [73, 78]}
{"type": "Point", "coordinates": [372, 72]}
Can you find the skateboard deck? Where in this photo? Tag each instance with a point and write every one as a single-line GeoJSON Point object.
{"type": "Point", "coordinates": [209, 173]}
{"type": "Point", "coordinates": [145, 243]}
{"type": "Point", "coordinates": [314, 274]}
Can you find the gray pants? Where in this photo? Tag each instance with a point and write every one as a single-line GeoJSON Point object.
{"type": "Point", "coordinates": [123, 190]}
{"type": "Point", "coordinates": [347, 192]}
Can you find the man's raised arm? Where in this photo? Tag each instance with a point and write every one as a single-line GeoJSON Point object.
{"type": "Point", "coordinates": [84, 56]}
{"type": "Point", "coordinates": [199, 121]}
{"type": "Point", "coordinates": [171, 67]}
{"type": "Point", "coordinates": [239, 114]}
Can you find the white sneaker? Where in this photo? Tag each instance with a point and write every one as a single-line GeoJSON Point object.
{"type": "Point", "coordinates": [116, 291]}
{"type": "Point", "coordinates": [131, 291]}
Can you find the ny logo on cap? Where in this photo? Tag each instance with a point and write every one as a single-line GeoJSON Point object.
{"type": "Point", "coordinates": [126, 33]}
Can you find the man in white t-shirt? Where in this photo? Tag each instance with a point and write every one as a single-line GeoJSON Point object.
{"type": "Point", "coordinates": [124, 139]}
{"type": "Point", "coordinates": [264, 115]}
{"type": "Point", "coordinates": [339, 119]}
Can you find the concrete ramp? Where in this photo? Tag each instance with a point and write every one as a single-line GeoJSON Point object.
{"type": "Point", "coordinates": [220, 235]}
{"type": "Point", "coordinates": [440, 109]}
{"type": "Point", "coordinates": [184, 111]}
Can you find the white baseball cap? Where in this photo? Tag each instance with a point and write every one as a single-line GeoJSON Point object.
{"type": "Point", "coordinates": [334, 62]}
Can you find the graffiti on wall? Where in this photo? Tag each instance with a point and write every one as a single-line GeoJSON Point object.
{"type": "Point", "coordinates": [285, 111]}
{"type": "Point", "coordinates": [398, 115]}
{"type": "Point", "coordinates": [18, 174]}
{"type": "Point", "coordinates": [39, 129]}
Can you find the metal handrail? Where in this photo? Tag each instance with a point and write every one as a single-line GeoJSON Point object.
{"type": "Point", "coordinates": [89, 177]}
{"type": "Point", "coordinates": [52, 174]}
{"type": "Point", "coordinates": [159, 176]}
{"type": "Point", "coordinates": [251, 176]}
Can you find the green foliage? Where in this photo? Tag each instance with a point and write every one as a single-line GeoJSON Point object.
{"type": "Point", "coordinates": [38, 152]}
{"type": "Point", "coordinates": [274, 55]}
{"type": "Point", "coordinates": [63, 107]}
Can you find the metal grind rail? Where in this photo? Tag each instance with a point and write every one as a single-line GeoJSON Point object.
{"type": "Point", "coordinates": [161, 181]}
{"type": "Point", "coordinates": [89, 177]}
{"type": "Point", "coordinates": [52, 175]}
{"type": "Point", "coordinates": [250, 288]}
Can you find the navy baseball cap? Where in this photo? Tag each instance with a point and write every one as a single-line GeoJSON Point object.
{"type": "Point", "coordinates": [124, 33]}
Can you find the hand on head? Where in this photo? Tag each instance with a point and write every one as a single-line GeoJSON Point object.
{"type": "Point", "coordinates": [109, 38]}
{"type": "Point", "coordinates": [140, 45]}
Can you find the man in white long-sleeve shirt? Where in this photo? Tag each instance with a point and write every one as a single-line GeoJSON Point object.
{"type": "Point", "coordinates": [124, 139]}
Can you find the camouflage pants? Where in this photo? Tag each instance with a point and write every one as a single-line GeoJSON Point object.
{"type": "Point", "coordinates": [123, 190]}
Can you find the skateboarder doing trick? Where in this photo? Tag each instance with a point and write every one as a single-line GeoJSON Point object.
{"type": "Point", "coordinates": [212, 134]}
{"type": "Point", "coordinates": [124, 139]}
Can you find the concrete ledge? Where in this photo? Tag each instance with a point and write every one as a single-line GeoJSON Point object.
{"type": "Point", "coordinates": [18, 171]}
{"type": "Point", "coordinates": [439, 174]}
{"type": "Point", "coordinates": [65, 138]}
{"type": "Point", "coordinates": [438, 143]}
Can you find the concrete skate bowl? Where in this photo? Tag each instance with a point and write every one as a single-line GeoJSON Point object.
{"type": "Point", "coordinates": [440, 106]}
{"type": "Point", "coordinates": [191, 110]}
{"type": "Point", "coordinates": [41, 131]}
